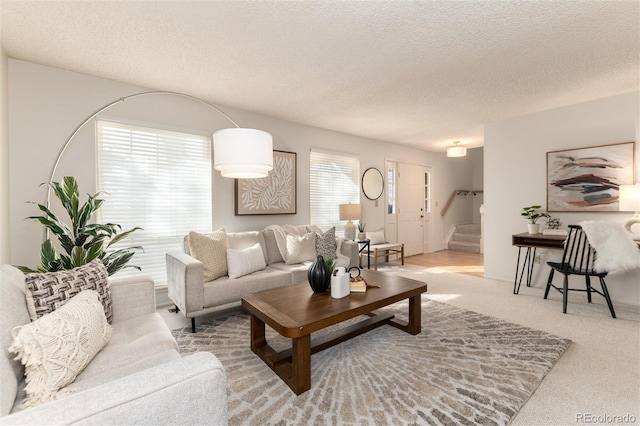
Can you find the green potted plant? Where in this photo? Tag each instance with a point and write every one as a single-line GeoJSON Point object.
{"type": "Point", "coordinates": [532, 214]}
{"type": "Point", "coordinates": [361, 234]}
{"type": "Point", "coordinates": [83, 241]}
{"type": "Point", "coordinates": [331, 263]}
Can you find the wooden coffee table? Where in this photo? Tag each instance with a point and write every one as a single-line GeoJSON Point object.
{"type": "Point", "coordinates": [295, 311]}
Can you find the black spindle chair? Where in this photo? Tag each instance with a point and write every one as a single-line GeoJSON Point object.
{"type": "Point", "coordinates": [577, 259]}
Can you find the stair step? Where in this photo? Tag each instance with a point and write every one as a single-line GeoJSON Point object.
{"type": "Point", "coordinates": [464, 246]}
{"type": "Point", "coordinates": [468, 228]}
{"type": "Point", "coordinates": [468, 238]}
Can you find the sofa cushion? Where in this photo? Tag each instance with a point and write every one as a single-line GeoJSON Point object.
{"type": "Point", "coordinates": [243, 240]}
{"type": "Point", "coordinates": [88, 381]}
{"type": "Point", "coordinates": [299, 272]}
{"type": "Point", "coordinates": [57, 347]}
{"type": "Point", "coordinates": [211, 250]}
{"type": "Point", "coordinates": [48, 291]}
{"type": "Point", "coordinates": [132, 339]}
{"type": "Point", "coordinates": [301, 248]}
{"type": "Point", "coordinates": [222, 291]}
{"type": "Point", "coordinates": [326, 245]}
{"type": "Point", "coordinates": [299, 230]}
{"type": "Point", "coordinates": [271, 244]}
{"type": "Point", "coordinates": [245, 261]}
{"type": "Point", "coordinates": [13, 313]}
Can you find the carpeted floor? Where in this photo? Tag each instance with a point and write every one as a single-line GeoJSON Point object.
{"type": "Point", "coordinates": [464, 368]}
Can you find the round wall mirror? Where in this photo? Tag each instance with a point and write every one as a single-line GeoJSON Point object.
{"type": "Point", "coordinates": [372, 183]}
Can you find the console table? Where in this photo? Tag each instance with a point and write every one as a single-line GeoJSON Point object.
{"type": "Point", "coordinates": [532, 242]}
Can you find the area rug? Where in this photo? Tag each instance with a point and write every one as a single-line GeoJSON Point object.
{"type": "Point", "coordinates": [464, 368]}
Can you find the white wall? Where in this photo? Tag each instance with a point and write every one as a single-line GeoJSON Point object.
{"type": "Point", "coordinates": [515, 177]}
{"type": "Point", "coordinates": [4, 159]}
{"type": "Point", "coordinates": [46, 105]}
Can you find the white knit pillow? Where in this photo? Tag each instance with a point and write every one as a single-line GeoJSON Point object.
{"type": "Point", "coordinates": [301, 248]}
{"type": "Point", "coordinates": [245, 261]}
{"type": "Point", "coordinates": [211, 250]}
{"type": "Point", "coordinates": [56, 347]}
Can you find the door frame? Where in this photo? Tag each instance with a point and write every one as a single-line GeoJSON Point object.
{"type": "Point", "coordinates": [391, 220]}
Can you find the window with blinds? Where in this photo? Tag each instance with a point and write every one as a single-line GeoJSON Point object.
{"type": "Point", "coordinates": [156, 179]}
{"type": "Point", "coordinates": [334, 180]}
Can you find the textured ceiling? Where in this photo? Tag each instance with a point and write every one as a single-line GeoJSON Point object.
{"type": "Point", "coordinates": [422, 73]}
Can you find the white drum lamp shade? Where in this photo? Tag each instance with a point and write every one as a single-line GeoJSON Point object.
{"type": "Point", "coordinates": [243, 153]}
{"type": "Point", "coordinates": [629, 201]}
{"type": "Point", "coordinates": [350, 212]}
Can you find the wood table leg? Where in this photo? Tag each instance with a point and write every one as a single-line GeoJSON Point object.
{"type": "Point", "coordinates": [415, 315]}
{"type": "Point", "coordinates": [413, 325]}
{"type": "Point", "coordinates": [257, 334]}
{"type": "Point", "coordinates": [301, 363]}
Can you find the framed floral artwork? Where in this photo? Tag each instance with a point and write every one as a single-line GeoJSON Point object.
{"type": "Point", "coordinates": [587, 179]}
{"type": "Point", "coordinates": [274, 194]}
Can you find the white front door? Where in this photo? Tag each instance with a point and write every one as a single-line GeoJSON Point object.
{"type": "Point", "coordinates": [411, 202]}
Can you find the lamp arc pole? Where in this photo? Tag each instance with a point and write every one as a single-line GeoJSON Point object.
{"type": "Point", "coordinates": [106, 107]}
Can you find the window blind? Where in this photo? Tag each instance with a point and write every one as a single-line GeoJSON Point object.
{"type": "Point", "coordinates": [334, 180]}
{"type": "Point", "coordinates": [156, 179]}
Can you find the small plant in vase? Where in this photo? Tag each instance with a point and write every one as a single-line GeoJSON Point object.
{"type": "Point", "coordinates": [361, 234]}
{"type": "Point", "coordinates": [331, 263]}
{"type": "Point", "coordinates": [532, 214]}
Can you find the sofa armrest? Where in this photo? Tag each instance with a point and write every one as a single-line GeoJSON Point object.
{"type": "Point", "coordinates": [189, 390]}
{"type": "Point", "coordinates": [132, 297]}
{"type": "Point", "coordinates": [349, 248]}
{"type": "Point", "coordinates": [185, 280]}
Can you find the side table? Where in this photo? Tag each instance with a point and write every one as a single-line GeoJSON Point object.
{"type": "Point", "coordinates": [366, 245]}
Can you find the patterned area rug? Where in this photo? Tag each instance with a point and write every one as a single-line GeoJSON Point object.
{"type": "Point", "coordinates": [464, 368]}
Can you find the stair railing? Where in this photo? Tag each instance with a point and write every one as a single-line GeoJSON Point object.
{"type": "Point", "coordinates": [453, 197]}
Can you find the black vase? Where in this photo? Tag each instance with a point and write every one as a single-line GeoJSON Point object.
{"type": "Point", "coordinates": [319, 276]}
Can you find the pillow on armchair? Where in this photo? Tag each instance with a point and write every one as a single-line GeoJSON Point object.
{"type": "Point", "coordinates": [48, 291]}
{"type": "Point", "coordinates": [56, 347]}
{"type": "Point", "coordinates": [376, 237]}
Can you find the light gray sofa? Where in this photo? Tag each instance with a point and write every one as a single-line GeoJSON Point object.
{"type": "Point", "coordinates": [137, 378]}
{"type": "Point", "coordinates": [195, 297]}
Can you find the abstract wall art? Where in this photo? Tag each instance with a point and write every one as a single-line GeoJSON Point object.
{"type": "Point", "coordinates": [275, 194]}
{"type": "Point", "coordinates": [587, 179]}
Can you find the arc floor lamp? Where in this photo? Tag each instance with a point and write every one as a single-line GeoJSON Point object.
{"type": "Point", "coordinates": [238, 152]}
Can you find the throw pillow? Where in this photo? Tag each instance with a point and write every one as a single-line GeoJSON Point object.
{"type": "Point", "coordinates": [49, 291]}
{"type": "Point", "coordinates": [245, 261]}
{"type": "Point", "coordinates": [301, 248]}
{"type": "Point", "coordinates": [376, 237]}
{"type": "Point", "coordinates": [211, 250]}
{"type": "Point", "coordinates": [326, 245]}
{"type": "Point", "coordinates": [56, 347]}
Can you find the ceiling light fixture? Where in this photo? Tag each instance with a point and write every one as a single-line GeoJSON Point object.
{"type": "Point", "coordinates": [456, 151]}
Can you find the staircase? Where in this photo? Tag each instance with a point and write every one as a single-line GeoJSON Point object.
{"type": "Point", "coordinates": [466, 238]}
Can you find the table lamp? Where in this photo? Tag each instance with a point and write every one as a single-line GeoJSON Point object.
{"type": "Point", "coordinates": [630, 201]}
{"type": "Point", "coordinates": [350, 212]}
